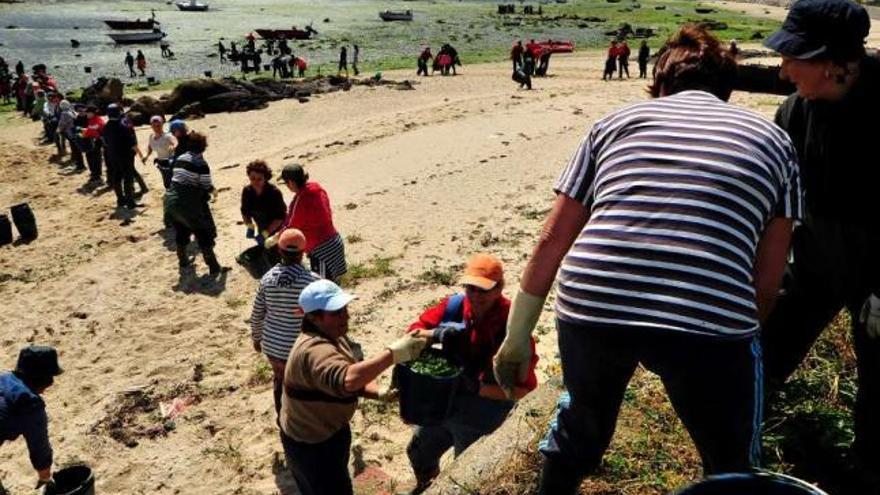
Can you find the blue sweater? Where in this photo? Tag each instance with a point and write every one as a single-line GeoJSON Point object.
{"type": "Point", "coordinates": [23, 412]}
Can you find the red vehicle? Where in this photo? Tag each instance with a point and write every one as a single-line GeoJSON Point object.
{"type": "Point", "coordinates": [555, 46]}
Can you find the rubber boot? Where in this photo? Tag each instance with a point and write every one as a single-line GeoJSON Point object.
{"type": "Point", "coordinates": [182, 259]}
{"type": "Point", "coordinates": [424, 481]}
{"type": "Point", "coordinates": [211, 261]}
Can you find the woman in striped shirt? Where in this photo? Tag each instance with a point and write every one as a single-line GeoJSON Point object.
{"type": "Point", "coordinates": [670, 231]}
{"type": "Point", "coordinates": [187, 206]}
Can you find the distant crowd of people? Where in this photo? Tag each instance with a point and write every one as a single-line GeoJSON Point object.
{"type": "Point", "coordinates": [618, 59]}
{"type": "Point", "coordinates": [444, 62]}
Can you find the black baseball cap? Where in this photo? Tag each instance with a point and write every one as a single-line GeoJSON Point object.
{"type": "Point", "coordinates": [38, 361]}
{"type": "Point", "coordinates": [821, 28]}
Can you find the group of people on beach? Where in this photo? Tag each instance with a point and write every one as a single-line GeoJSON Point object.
{"type": "Point", "coordinates": [668, 242]}
{"type": "Point", "coordinates": [618, 59]}
{"type": "Point", "coordinates": [444, 62]}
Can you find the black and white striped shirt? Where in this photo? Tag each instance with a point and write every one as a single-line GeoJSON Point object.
{"type": "Point", "coordinates": [276, 317]}
{"type": "Point", "coordinates": [680, 189]}
{"type": "Point", "coordinates": [192, 170]}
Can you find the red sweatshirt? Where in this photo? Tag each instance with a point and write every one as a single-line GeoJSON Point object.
{"type": "Point", "coordinates": [310, 212]}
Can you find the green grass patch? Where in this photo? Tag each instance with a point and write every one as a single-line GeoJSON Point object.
{"type": "Point", "coordinates": [376, 267]}
{"type": "Point", "coordinates": [440, 276]}
{"type": "Point", "coordinates": [261, 373]}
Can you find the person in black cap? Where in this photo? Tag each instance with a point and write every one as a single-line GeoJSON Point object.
{"type": "Point", "coordinates": [22, 410]}
{"type": "Point", "coordinates": [831, 121]}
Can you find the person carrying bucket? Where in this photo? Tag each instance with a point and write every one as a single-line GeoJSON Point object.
{"type": "Point", "coordinates": [22, 410]}
{"type": "Point", "coordinates": [470, 326]}
{"type": "Point", "coordinates": [323, 379]}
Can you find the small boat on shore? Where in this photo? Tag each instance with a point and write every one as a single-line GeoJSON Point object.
{"type": "Point", "coordinates": [192, 6]}
{"type": "Point", "coordinates": [132, 25]}
{"type": "Point", "coordinates": [293, 33]}
{"type": "Point", "coordinates": [553, 46]}
{"type": "Point", "coordinates": [390, 15]}
{"type": "Point", "coordinates": [133, 38]}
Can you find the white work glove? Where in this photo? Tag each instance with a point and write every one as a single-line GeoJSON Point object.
{"type": "Point", "coordinates": [870, 316]}
{"type": "Point", "coordinates": [512, 361]}
{"type": "Point", "coordinates": [407, 348]}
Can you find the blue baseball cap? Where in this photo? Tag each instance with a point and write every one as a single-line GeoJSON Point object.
{"type": "Point", "coordinates": [323, 295]}
{"type": "Point", "coordinates": [821, 28]}
{"type": "Point", "coordinates": [177, 124]}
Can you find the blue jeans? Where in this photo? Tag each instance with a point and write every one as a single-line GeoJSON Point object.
{"type": "Point", "coordinates": [714, 385]}
{"type": "Point", "coordinates": [472, 418]}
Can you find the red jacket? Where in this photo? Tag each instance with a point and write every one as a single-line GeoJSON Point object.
{"type": "Point", "coordinates": [310, 212]}
{"type": "Point", "coordinates": [94, 128]}
{"type": "Point", "coordinates": [482, 340]}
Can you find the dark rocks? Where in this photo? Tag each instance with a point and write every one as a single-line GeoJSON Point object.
{"type": "Point", "coordinates": [103, 92]}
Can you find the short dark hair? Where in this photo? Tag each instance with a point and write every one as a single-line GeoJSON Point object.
{"type": "Point", "coordinates": [35, 382]}
{"type": "Point", "coordinates": [198, 142]}
{"type": "Point", "coordinates": [260, 166]}
{"type": "Point", "coordinates": [693, 58]}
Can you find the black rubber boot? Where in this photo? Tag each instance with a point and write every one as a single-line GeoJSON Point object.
{"type": "Point", "coordinates": [182, 259]}
{"type": "Point", "coordinates": [211, 261]}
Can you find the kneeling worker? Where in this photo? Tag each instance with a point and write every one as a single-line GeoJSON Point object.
{"type": "Point", "coordinates": [23, 412]}
{"type": "Point", "coordinates": [470, 327]}
{"type": "Point", "coordinates": [322, 382]}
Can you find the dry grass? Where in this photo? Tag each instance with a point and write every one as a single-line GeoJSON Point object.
{"type": "Point", "coordinates": [808, 429]}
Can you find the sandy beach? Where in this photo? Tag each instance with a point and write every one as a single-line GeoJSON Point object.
{"type": "Point", "coordinates": [423, 178]}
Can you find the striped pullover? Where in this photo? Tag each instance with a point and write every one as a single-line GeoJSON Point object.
{"type": "Point", "coordinates": [680, 190]}
{"type": "Point", "coordinates": [276, 317]}
{"type": "Point", "coordinates": [192, 170]}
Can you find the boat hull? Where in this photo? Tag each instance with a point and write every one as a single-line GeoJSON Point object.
{"type": "Point", "coordinates": [131, 25]}
{"type": "Point", "coordinates": [134, 38]}
{"type": "Point", "coordinates": [192, 8]}
{"type": "Point", "coordinates": [395, 16]}
{"type": "Point", "coordinates": [290, 34]}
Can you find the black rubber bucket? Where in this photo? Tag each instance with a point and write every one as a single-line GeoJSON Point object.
{"type": "Point", "coordinates": [24, 221]}
{"type": "Point", "coordinates": [758, 483]}
{"type": "Point", "coordinates": [256, 261]}
{"type": "Point", "coordinates": [5, 230]}
{"type": "Point", "coordinates": [208, 73]}
{"type": "Point", "coordinates": [73, 480]}
{"type": "Point", "coordinates": [425, 400]}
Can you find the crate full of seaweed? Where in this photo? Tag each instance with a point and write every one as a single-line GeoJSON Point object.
{"type": "Point", "coordinates": [427, 388]}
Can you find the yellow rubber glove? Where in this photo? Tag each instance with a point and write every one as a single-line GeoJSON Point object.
{"type": "Point", "coordinates": [512, 361]}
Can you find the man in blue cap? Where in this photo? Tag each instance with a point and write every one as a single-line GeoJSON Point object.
{"type": "Point", "coordinates": [831, 121]}
{"type": "Point", "coordinates": [23, 412]}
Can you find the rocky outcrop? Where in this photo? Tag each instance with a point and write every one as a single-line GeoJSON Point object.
{"type": "Point", "coordinates": [203, 96]}
{"type": "Point", "coordinates": [103, 92]}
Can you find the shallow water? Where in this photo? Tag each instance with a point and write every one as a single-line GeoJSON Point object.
{"type": "Point", "coordinates": [44, 29]}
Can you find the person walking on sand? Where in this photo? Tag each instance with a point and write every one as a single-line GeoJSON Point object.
{"type": "Point", "coordinates": [276, 317]}
{"type": "Point", "coordinates": [644, 56]}
{"type": "Point", "coordinates": [323, 380]}
{"type": "Point", "coordinates": [610, 62]}
{"type": "Point", "coordinates": [623, 53]}
{"type": "Point", "coordinates": [354, 59]}
{"type": "Point", "coordinates": [187, 204]}
{"type": "Point", "coordinates": [23, 411]}
{"type": "Point", "coordinates": [129, 62]}
{"type": "Point", "coordinates": [91, 140]}
{"type": "Point", "coordinates": [141, 62]}
{"type": "Point", "coordinates": [343, 61]}
{"type": "Point", "coordinates": [665, 258]}
{"type": "Point", "coordinates": [309, 211]}
{"type": "Point", "coordinates": [425, 57]}
{"type": "Point", "coordinates": [516, 55]}
{"type": "Point", "coordinates": [163, 144]}
{"type": "Point", "coordinates": [221, 49]}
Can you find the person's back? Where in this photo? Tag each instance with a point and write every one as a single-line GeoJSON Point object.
{"type": "Point", "coordinates": [118, 138]}
{"type": "Point", "coordinates": [19, 406]}
{"type": "Point", "coordinates": [680, 189]}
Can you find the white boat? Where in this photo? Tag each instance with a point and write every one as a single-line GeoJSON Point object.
{"type": "Point", "coordinates": [192, 6]}
{"type": "Point", "coordinates": [131, 38]}
{"type": "Point", "coordinates": [389, 15]}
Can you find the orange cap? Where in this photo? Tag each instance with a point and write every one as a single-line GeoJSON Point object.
{"type": "Point", "coordinates": [483, 271]}
{"type": "Point", "coordinates": [292, 241]}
